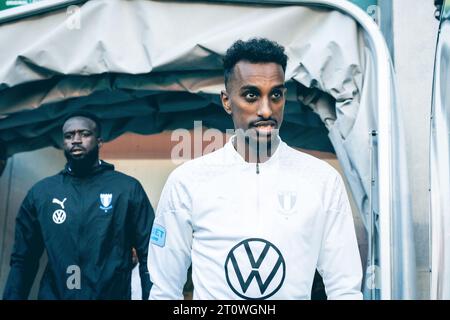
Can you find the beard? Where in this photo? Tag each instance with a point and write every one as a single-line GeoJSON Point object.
{"type": "Point", "coordinates": [82, 166]}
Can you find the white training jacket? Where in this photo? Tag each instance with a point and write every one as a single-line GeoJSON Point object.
{"type": "Point", "coordinates": [254, 235]}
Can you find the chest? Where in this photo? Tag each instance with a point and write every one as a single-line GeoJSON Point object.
{"type": "Point", "coordinates": [68, 206]}
{"type": "Point", "coordinates": [243, 203]}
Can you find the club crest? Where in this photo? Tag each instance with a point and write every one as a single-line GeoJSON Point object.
{"type": "Point", "coordinates": [106, 199]}
{"type": "Point", "coordinates": [286, 202]}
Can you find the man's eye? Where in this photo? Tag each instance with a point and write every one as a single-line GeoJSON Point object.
{"type": "Point", "coordinates": [277, 94]}
{"type": "Point", "coordinates": [250, 96]}
{"type": "Point", "coordinates": [86, 134]}
{"type": "Point", "coordinates": [68, 136]}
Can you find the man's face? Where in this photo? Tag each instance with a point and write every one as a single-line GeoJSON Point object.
{"type": "Point", "coordinates": [80, 138]}
{"type": "Point", "coordinates": [255, 98]}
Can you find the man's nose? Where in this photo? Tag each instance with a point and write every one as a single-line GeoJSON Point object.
{"type": "Point", "coordinates": [265, 109]}
{"type": "Point", "coordinates": [76, 138]}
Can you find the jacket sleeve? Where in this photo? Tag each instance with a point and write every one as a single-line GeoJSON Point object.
{"type": "Point", "coordinates": [339, 261]}
{"type": "Point", "coordinates": [28, 248]}
{"type": "Point", "coordinates": [171, 241]}
{"type": "Point", "coordinates": [143, 217]}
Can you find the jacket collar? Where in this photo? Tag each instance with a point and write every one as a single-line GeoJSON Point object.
{"type": "Point", "coordinates": [102, 166]}
{"type": "Point", "coordinates": [235, 157]}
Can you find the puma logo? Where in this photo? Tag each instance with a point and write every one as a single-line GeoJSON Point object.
{"type": "Point", "coordinates": [61, 203]}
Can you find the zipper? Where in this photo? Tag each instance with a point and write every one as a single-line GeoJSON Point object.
{"type": "Point", "coordinates": [258, 199]}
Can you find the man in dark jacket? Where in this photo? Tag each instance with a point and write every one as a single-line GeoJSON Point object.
{"type": "Point", "coordinates": [88, 218]}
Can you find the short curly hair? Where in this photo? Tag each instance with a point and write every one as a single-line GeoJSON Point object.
{"type": "Point", "coordinates": [255, 50]}
{"type": "Point", "coordinates": [89, 115]}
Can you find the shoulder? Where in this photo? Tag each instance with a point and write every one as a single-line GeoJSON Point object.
{"type": "Point", "coordinates": [194, 169]}
{"type": "Point", "coordinates": [43, 187]}
{"type": "Point", "coordinates": [123, 177]}
{"type": "Point", "coordinates": [109, 174]}
{"type": "Point", "coordinates": [47, 183]}
{"type": "Point", "coordinates": [310, 165]}
{"type": "Point", "coordinates": [124, 182]}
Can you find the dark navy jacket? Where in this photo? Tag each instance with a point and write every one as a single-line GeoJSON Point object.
{"type": "Point", "coordinates": [88, 227]}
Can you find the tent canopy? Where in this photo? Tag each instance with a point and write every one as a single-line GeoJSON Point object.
{"type": "Point", "coordinates": [141, 72]}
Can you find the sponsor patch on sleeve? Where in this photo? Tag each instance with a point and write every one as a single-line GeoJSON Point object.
{"type": "Point", "coordinates": [158, 235]}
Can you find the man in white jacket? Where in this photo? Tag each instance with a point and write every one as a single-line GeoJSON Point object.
{"type": "Point", "coordinates": [255, 218]}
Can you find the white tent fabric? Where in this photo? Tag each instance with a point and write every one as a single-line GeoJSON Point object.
{"type": "Point", "coordinates": [146, 66]}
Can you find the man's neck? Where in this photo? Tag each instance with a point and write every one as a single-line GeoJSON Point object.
{"type": "Point", "coordinates": [254, 152]}
{"type": "Point", "coordinates": [80, 170]}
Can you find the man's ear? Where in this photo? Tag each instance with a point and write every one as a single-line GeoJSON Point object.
{"type": "Point", "coordinates": [226, 103]}
{"type": "Point", "coordinates": [99, 142]}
